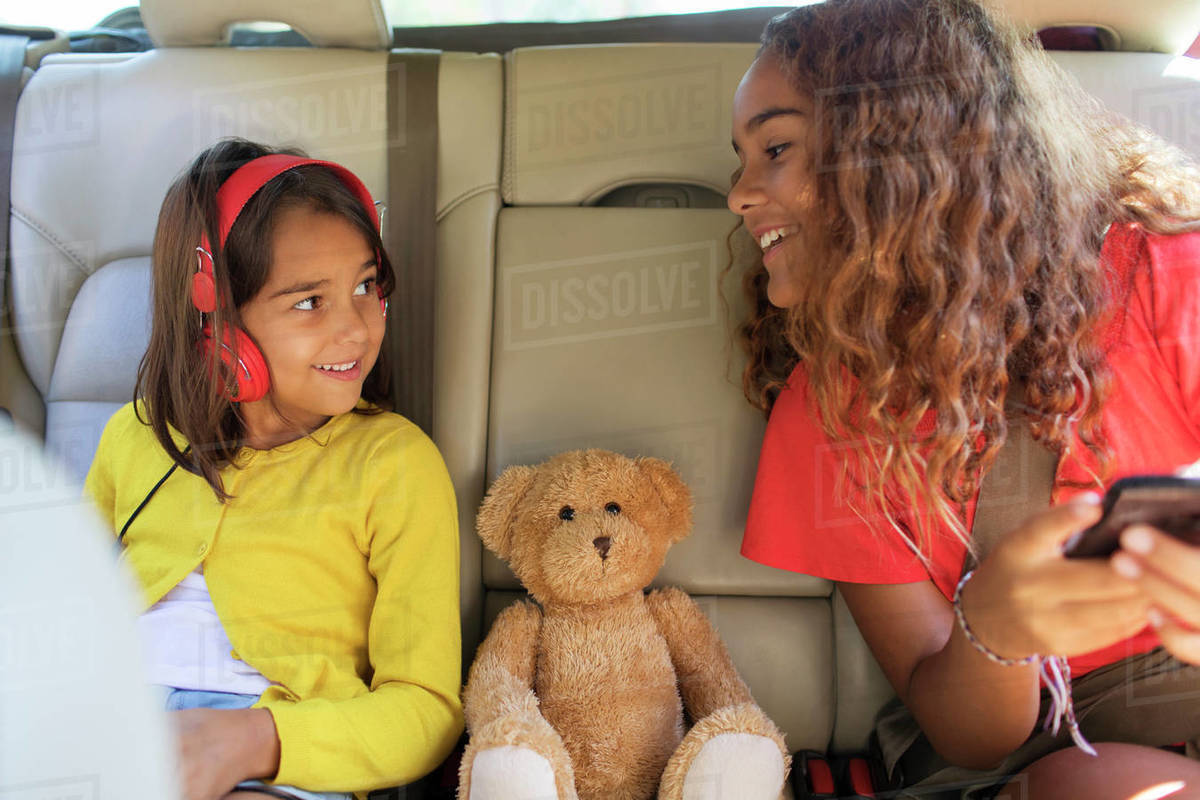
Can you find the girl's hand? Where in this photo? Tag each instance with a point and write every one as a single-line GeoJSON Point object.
{"type": "Point", "coordinates": [1026, 598]}
{"type": "Point", "coordinates": [1168, 571]}
{"type": "Point", "coordinates": [218, 748]}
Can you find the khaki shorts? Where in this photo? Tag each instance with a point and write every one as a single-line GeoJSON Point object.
{"type": "Point", "coordinates": [1150, 699]}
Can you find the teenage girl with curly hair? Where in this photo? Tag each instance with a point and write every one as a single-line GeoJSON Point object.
{"type": "Point", "coordinates": [950, 227]}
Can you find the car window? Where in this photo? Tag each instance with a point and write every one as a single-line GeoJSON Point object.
{"type": "Point", "coordinates": [479, 12]}
{"type": "Point", "coordinates": [67, 15]}
{"type": "Point", "coordinates": [82, 14]}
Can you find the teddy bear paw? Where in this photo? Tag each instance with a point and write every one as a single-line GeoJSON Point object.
{"type": "Point", "coordinates": [740, 765]}
{"type": "Point", "coordinates": [511, 773]}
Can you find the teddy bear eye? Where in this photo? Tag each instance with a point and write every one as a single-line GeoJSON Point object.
{"type": "Point", "coordinates": [613, 508]}
{"type": "Point", "coordinates": [566, 513]}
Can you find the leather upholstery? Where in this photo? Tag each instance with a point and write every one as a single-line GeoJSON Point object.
{"type": "Point", "coordinates": [612, 329]}
{"type": "Point", "coordinates": [610, 332]}
{"type": "Point", "coordinates": [582, 121]}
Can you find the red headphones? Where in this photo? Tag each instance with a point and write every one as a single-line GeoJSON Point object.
{"type": "Point", "coordinates": [245, 361]}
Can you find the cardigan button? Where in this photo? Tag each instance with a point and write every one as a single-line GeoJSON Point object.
{"type": "Point", "coordinates": [202, 549]}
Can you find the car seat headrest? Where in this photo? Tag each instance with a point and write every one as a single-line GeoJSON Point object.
{"type": "Point", "coordinates": [585, 121]}
{"type": "Point", "coordinates": [358, 24]}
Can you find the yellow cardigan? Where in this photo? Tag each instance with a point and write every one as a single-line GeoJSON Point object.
{"type": "Point", "coordinates": [334, 571]}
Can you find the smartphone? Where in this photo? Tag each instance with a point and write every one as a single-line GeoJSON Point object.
{"type": "Point", "coordinates": [1167, 502]}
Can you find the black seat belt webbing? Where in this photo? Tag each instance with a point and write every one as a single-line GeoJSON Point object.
{"type": "Point", "coordinates": [410, 228]}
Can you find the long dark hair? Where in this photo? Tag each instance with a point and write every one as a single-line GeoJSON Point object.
{"type": "Point", "coordinates": [181, 391]}
{"type": "Point", "coordinates": [962, 184]}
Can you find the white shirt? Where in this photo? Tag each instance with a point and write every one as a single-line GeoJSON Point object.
{"type": "Point", "coordinates": [184, 644]}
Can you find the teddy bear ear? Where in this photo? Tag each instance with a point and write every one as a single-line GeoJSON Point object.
{"type": "Point", "coordinates": [495, 519]}
{"type": "Point", "coordinates": [674, 493]}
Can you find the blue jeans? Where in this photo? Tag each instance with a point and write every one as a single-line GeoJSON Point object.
{"type": "Point", "coordinates": [177, 699]}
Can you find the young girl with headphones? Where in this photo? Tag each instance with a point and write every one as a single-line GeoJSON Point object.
{"type": "Point", "coordinates": [296, 544]}
{"type": "Point", "coordinates": [956, 241]}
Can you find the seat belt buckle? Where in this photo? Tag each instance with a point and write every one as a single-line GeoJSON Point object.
{"type": "Point", "coordinates": [812, 776]}
{"type": "Point", "coordinates": [863, 776]}
{"type": "Point", "coordinates": [858, 778]}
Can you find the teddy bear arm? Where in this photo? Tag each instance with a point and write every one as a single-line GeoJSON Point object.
{"type": "Point", "coordinates": [707, 677]}
{"type": "Point", "coordinates": [501, 677]}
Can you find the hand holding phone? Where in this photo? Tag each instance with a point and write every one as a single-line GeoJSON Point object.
{"type": "Point", "coordinates": [1170, 503]}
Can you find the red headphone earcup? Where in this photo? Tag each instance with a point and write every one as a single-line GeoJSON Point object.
{"type": "Point", "coordinates": [383, 301]}
{"type": "Point", "coordinates": [254, 382]}
{"type": "Point", "coordinates": [251, 377]}
{"type": "Point", "coordinates": [204, 292]}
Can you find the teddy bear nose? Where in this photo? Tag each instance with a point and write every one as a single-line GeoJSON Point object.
{"type": "Point", "coordinates": [602, 543]}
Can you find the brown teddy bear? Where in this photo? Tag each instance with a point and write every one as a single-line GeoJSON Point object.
{"type": "Point", "coordinates": [585, 695]}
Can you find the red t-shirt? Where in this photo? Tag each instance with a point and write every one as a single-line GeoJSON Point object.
{"type": "Point", "coordinates": [800, 518]}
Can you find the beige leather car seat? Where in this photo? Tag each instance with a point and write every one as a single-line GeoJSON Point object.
{"type": "Point", "coordinates": [611, 330]}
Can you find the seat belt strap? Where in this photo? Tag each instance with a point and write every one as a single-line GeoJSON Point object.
{"type": "Point", "coordinates": [410, 228]}
{"type": "Point", "coordinates": [12, 65]}
{"type": "Point", "coordinates": [1019, 484]}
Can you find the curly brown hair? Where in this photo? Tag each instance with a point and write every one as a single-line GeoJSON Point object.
{"type": "Point", "coordinates": [962, 187]}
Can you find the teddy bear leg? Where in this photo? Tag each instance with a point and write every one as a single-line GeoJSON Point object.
{"type": "Point", "coordinates": [516, 757]}
{"type": "Point", "coordinates": [729, 765]}
{"type": "Point", "coordinates": [511, 773]}
{"type": "Point", "coordinates": [733, 752]}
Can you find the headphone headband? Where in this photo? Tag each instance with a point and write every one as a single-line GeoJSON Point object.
{"type": "Point", "coordinates": [237, 191]}
{"type": "Point", "coordinates": [244, 183]}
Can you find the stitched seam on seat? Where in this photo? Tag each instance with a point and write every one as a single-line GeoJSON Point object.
{"type": "Point", "coordinates": [464, 197]}
{"type": "Point", "coordinates": [59, 245]}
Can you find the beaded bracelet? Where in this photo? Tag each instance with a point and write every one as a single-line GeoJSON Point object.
{"type": "Point", "coordinates": [1055, 674]}
{"type": "Point", "coordinates": [973, 639]}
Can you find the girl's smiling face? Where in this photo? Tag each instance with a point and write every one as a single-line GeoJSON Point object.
{"type": "Point", "coordinates": [318, 322]}
{"type": "Point", "coordinates": [771, 136]}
